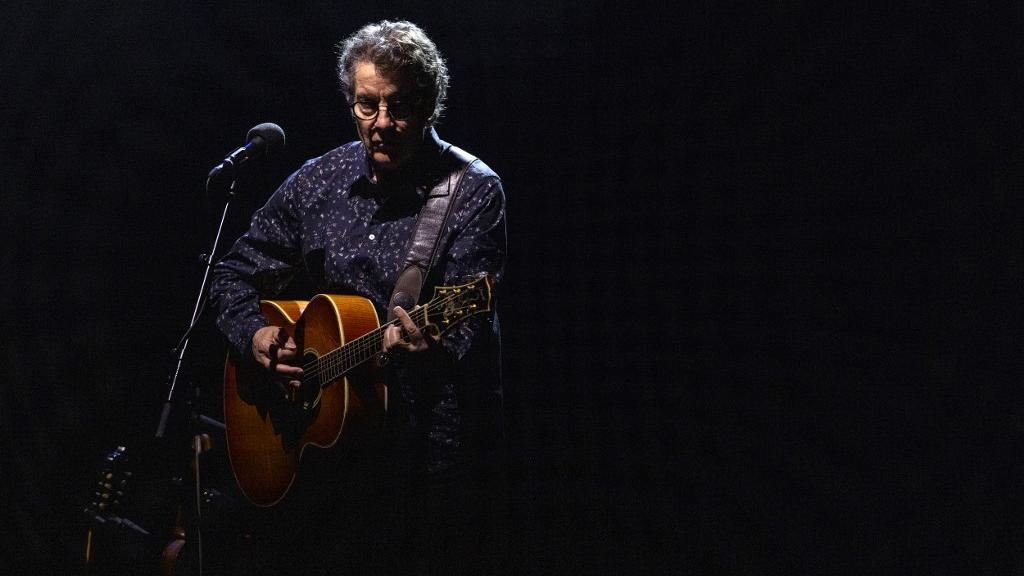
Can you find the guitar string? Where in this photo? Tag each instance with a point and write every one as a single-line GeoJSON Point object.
{"type": "Point", "coordinates": [359, 349]}
{"type": "Point", "coordinates": [359, 346]}
{"type": "Point", "coordinates": [362, 347]}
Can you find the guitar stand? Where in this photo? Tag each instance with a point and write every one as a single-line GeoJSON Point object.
{"type": "Point", "coordinates": [200, 442]}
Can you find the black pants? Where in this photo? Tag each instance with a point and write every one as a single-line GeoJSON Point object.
{"type": "Point", "coordinates": [372, 518]}
{"type": "Point", "coordinates": [456, 523]}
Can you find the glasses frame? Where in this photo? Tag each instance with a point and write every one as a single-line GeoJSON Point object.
{"type": "Point", "coordinates": [412, 104]}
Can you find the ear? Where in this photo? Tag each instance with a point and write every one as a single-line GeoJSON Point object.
{"type": "Point", "coordinates": [425, 110]}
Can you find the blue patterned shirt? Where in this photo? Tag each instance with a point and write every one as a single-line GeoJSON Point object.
{"type": "Point", "coordinates": [350, 236]}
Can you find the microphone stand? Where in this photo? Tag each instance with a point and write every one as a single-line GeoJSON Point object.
{"type": "Point", "coordinates": [215, 181]}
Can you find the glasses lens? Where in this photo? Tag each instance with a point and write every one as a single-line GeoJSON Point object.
{"type": "Point", "coordinates": [364, 110]}
{"type": "Point", "coordinates": [400, 110]}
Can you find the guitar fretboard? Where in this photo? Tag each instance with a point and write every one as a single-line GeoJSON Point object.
{"type": "Point", "coordinates": [336, 363]}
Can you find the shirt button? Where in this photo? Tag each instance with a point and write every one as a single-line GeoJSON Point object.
{"type": "Point", "coordinates": [372, 237]}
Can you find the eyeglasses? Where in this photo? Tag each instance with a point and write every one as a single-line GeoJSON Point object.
{"type": "Point", "coordinates": [368, 109]}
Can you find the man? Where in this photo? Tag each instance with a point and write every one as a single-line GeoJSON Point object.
{"type": "Point", "coordinates": [346, 219]}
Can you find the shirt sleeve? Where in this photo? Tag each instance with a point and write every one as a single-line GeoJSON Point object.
{"type": "Point", "coordinates": [479, 246]}
{"type": "Point", "coordinates": [260, 264]}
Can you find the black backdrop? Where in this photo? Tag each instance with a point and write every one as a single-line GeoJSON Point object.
{"type": "Point", "coordinates": [763, 305]}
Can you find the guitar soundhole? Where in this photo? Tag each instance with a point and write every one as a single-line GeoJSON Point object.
{"type": "Point", "coordinates": [308, 396]}
{"type": "Point", "coordinates": [294, 413]}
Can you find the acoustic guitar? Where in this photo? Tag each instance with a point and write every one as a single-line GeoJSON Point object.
{"type": "Point", "coordinates": [341, 389]}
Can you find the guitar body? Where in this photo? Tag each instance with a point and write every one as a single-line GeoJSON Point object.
{"type": "Point", "coordinates": [342, 392]}
{"type": "Point", "coordinates": [268, 429]}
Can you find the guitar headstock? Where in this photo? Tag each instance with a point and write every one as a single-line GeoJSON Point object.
{"type": "Point", "coordinates": [111, 487]}
{"type": "Point", "coordinates": [453, 304]}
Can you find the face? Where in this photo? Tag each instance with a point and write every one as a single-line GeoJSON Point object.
{"type": "Point", "coordinates": [389, 142]}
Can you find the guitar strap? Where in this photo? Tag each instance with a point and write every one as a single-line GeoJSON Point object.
{"type": "Point", "coordinates": [422, 255]}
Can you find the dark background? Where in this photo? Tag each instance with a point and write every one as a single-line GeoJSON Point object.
{"type": "Point", "coordinates": [762, 313]}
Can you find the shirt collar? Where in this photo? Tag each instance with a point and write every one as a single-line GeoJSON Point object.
{"type": "Point", "coordinates": [421, 174]}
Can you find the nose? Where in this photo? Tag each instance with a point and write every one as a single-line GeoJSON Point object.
{"type": "Point", "coordinates": [383, 119]}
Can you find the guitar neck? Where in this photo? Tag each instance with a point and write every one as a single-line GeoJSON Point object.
{"type": "Point", "coordinates": [337, 362]}
{"type": "Point", "coordinates": [450, 306]}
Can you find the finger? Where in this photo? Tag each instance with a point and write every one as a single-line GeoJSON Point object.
{"type": "Point", "coordinates": [268, 357]}
{"type": "Point", "coordinates": [286, 356]}
{"type": "Point", "coordinates": [287, 370]}
{"type": "Point", "coordinates": [410, 327]}
{"type": "Point", "coordinates": [290, 345]}
{"type": "Point", "coordinates": [392, 337]}
{"type": "Point", "coordinates": [282, 341]}
{"type": "Point", "coordinates": [280, 361]}
{"type": "Point", "coordinates": [395, 338]}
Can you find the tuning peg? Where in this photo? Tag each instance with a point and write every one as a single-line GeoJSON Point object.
{"type": "Point", "coordinates": [211, 495]}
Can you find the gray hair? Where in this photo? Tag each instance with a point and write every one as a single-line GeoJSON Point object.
{"type": "Point", "coordinates": [398, 46]}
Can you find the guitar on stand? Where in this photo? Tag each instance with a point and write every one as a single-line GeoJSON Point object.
{"type": "Point", "coordinates": [138, 515]}
{"type": "Point", "coordinates": [125, 485]}
{"type": "Point", "coordinates": [111, 490]}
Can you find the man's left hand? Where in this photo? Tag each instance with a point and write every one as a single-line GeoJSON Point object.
{"type": "Point", "coordinates": [413, 341]}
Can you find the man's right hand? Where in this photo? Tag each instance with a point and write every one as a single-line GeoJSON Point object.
{"type": "Point", "coordinates": [275, 350]}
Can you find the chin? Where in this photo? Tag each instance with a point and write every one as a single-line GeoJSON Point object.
{"type": "Point", "coordinates": [386, 162]}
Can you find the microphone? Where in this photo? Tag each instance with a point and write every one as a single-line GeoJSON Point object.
{"type": "Point", "coordinates": [260, 141]}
